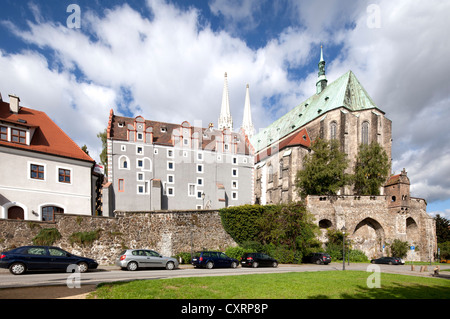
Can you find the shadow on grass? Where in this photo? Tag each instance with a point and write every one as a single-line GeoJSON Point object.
{"type": "Point", "coordinates": [399, 291]}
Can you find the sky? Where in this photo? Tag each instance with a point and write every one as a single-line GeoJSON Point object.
{"type": "Point", "coordinates": [166, 59]}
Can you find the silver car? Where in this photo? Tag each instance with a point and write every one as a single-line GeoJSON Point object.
{"type": "Point", "coordinates": [132, 259]}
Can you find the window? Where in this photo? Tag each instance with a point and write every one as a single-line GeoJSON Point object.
{"type": "Point", "coordinates": [18, 136]}
{"type": "Point", "coordinates": [333, 130]}
{"type": "Point", "coordinates": [185, 141]}
{"type": "Point", "coordinates": [140, 176]}
{"type": "Point", "coordinates": [121, 185]}
{"type": "Point", "coordinates": [191, 189]}
{"type": "Point", "coordinates": [234, 184]}
{"type": "Point", "coordinates": [170, 153]}
{"type": "Point", "coordinates": [235, 160]}
{"type": "Point", "coordinates": [200, 156]}
{"type": "Point", "coordinates": [365, 133]}
{"type": "Point", "coordinates": [48, 212]}
{"type": "Point", "coordinates": [140, 189]}
{"type": "Point", "coordinates": [123, 148]}
{"type": "Point", "coordinates": [140, 163]}
{"type": "Point", "coordinates": [140, 136]}
{"type": "Point", "coordinates": [3, 133]}
{"type": "Point", "coordinates": [37, 172]}
{"type": "Point", "coordinates": [199, 194]}
{"type": "Point", "coordinates": [64, 175]}
{"type": "Point", "coordinates": [171, 166]}
{"type": "Point", "coordinates": [200, 181]}
{"type": "Point", "coordinates": [234, 195]}
{"type": "Point", "coordinates": [199, 168]}
{"type": "Point", "coordinates": [170, 191]}
{"type": "Point", "coordinates": [170, 179]}
{"type": "Point", "coordinates": [123, 162]}
{"type": "Point", "coordinates": [234, 172]}
{"type": "Point", "coordinates": [139, 150]}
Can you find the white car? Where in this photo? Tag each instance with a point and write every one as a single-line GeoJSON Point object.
{"type": "Point", "coordinates": [133, 259]}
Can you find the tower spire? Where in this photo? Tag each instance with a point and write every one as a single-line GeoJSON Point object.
{"type": "Point", "coordinates": [247, 123]}
{"type": "Point", "coordinates": [225, 119]}
{"type": "Point", "coordinates": [321, 83]}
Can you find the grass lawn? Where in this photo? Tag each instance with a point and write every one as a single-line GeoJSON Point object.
{"type": "Point", "coordinates": [302, 285]}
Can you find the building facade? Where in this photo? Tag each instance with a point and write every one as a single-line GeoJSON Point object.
{"type": "Point", "coordinates": [163, 166]}
{"type": "Point", "coordinates": [42, 170]}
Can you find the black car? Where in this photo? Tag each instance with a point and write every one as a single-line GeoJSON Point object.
{"type": "Point", "coordinates": [318, 258]}
{"type": "Point", "coordinates": [388, 261]}
{"type": "Point", "coordinates": [211, 259]}
{"type": "Point", "coordinates": [258, 259]}
{"type": "Point", "coordinates": [22, 259]}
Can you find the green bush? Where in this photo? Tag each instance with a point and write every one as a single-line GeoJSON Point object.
{"type": "Point", "coordinates": [185, 257]}
{"type": "Point", "coordinates": [47, 237]}
{"type": "Point", "coordinates": [357, 256]}
{"type": "Point", "coordinates": [85, 238]}
{"type": "Point", "coordinates": [399, 248]}
{"type": "Point", "coordinates": [237, 252]}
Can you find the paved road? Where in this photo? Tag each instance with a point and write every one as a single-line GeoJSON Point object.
{"type": "Point", "coordinates": [88, 281]}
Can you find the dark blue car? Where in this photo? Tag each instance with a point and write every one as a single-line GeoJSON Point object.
{"type": "Point", "coordinates": [22, 259]}
{"type": "Point", "coordinates": [211, 259]}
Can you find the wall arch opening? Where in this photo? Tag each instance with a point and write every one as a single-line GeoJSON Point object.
{"type": "Point", "coordinates": [369, 237]}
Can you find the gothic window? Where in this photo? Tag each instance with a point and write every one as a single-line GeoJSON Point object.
{"type": "Point", "coordinates": [124, 162]}
{"type": "Point", "coordinates": [365, 133]}
{"type": "Point", "coordinates": [333, 130]}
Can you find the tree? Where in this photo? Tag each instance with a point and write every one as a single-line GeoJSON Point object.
{"type": "Point", "coordinates": [85, 149]}
{"type": "Point", "coordinates": [104, 154]}
{"type": "Point", "coordinates": [399, 248]}
{"type": "Point", "coordinates": [442, 229]}
{"type": "Point", "coordinates": [323, 170]}
{"type": "Point", "coordinates": [371, 169]}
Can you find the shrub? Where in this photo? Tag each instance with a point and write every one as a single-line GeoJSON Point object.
{"type": "Point", "coordinates": [399, 248]}
{"type": "Point", "coordinates": [185, 257]}
{"type": "Point", "coordinates": [357, 256]}
{"type": "Point", "coordinates": [47, 237]}
{"type": "Point", "coordinates": [85, 238]}
{"type": "Point", "coordinates": [237, 252]}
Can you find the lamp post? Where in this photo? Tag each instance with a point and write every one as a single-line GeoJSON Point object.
{"type": "Point", "coordinates": [343, 229]}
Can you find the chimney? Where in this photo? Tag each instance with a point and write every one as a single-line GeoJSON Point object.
{"type": "Point", "coordinates": [14, 104]}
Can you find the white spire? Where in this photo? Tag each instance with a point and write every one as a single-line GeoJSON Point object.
{"type": "Point", "coordinates": [225, 119]}
{"type": "Point", "coordinates": [247, 123]}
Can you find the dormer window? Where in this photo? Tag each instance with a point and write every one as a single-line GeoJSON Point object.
{"type": "Point", "coordinates": [3, 133]}
{"type": "Point", "coordinates": [18, 136]}
{"type": "Point", "coordinates": [121, 124]}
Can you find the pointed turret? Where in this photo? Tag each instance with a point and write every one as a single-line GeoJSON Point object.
{"type": "Point", "coordinates": [247, 123]}
{"type": "Point", "coordinates": [225, 119]}
{"type": "Point", "coordinates": [322, 81]}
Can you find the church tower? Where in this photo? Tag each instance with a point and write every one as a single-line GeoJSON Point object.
{"type": "Point", "coordinates": [225, 119]}
{"type": "Point", "coordinates": [247, 123]}
{"type": "Point", "coordinates": [322, 81]}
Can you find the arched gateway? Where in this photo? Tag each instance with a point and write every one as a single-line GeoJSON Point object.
{"type": "Point", "coordinates": [369, 237]}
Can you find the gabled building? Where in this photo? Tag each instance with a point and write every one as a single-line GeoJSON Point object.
{"type": "Point", "coordinates": [341, 110]}
{"type": "Point", "coordinates": [42, 171]}
{"type": "Point", "coordinates": [164, 166]}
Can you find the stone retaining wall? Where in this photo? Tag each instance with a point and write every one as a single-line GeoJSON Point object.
{"type": "Point", "coordinates": [166, 232]}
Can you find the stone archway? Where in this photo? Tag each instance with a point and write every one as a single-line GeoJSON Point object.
{"type": "Point", "coordinates": [324, 225]}
{"type": "Point", "coordinates": [16, 212]}
{"type": "Point", "coordinates": [368, 236]}
{"type": "Point", "coordinates": [412, 231]}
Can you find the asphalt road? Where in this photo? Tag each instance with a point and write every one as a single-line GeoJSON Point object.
{"type": "Point", "coordinates": [42, 285]}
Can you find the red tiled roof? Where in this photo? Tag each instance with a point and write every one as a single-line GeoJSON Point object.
{"type": "Point", "coordinates": [299, 138]}
{"type": "Point", "coordinates": [48, 137]}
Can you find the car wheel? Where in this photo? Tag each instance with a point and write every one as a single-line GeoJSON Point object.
{"type": "Point", "coordinates": [373, 261]}
{"type": "Point", "coordinates": [170, 265]}
{"type": "Point", "coordinates": [318, 262]}
{"type": "Point", "coordinates": [17, 268]}
{"type": "Point", "coordinates": [274, 264]}
{"type": "Point", "coordinates": [82, 267]}
{"type": "Point", "coordinates": [233, 264]}
{"type": "Point", "coordinates": [255, 264]}
{"type": "Point", "coordinates": [390, 263]}
{"type": "Point", "coordinates": [209, 265]}
{"type": "Point", "coordinates": [132, 266]}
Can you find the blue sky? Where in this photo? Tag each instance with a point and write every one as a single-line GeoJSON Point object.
{"type": "Point", "coordinates": [165, 60]}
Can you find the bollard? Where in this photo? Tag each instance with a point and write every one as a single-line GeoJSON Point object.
{"type": "Point", "coordinates": [412, 268]}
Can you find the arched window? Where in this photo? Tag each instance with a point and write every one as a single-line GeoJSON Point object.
{"type": "Point", "coordinates": [124, 162]}
{"type": "Point", "coordinates": [365, 133]}
{"type": "Point", "coordinates": [48, 212]}
{"type": "Point", "coordinates": [333, 130]}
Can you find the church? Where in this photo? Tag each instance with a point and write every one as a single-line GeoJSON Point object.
{"type": "Point", "coordinates": [342, 110]}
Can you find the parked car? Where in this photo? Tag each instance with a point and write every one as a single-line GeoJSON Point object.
{"type": "Point", "coordinates": [318, 258]}
{"type": "Point", "coordinates": [26, 258]}
{"type": "Point", "coordinates": [258, 259]}
{"type": "Point", "coordinates": [211, 259]}
{"type": "Point", "coordinates": [133, 259]}
{"type": "Point", "coordinates": [388, 260]}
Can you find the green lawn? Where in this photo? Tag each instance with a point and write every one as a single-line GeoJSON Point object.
{"type": "Point", "coordinates": [302, 285]}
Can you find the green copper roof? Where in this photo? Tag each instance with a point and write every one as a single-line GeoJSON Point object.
{"type": "Point", "coordinates": [346, 92]}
